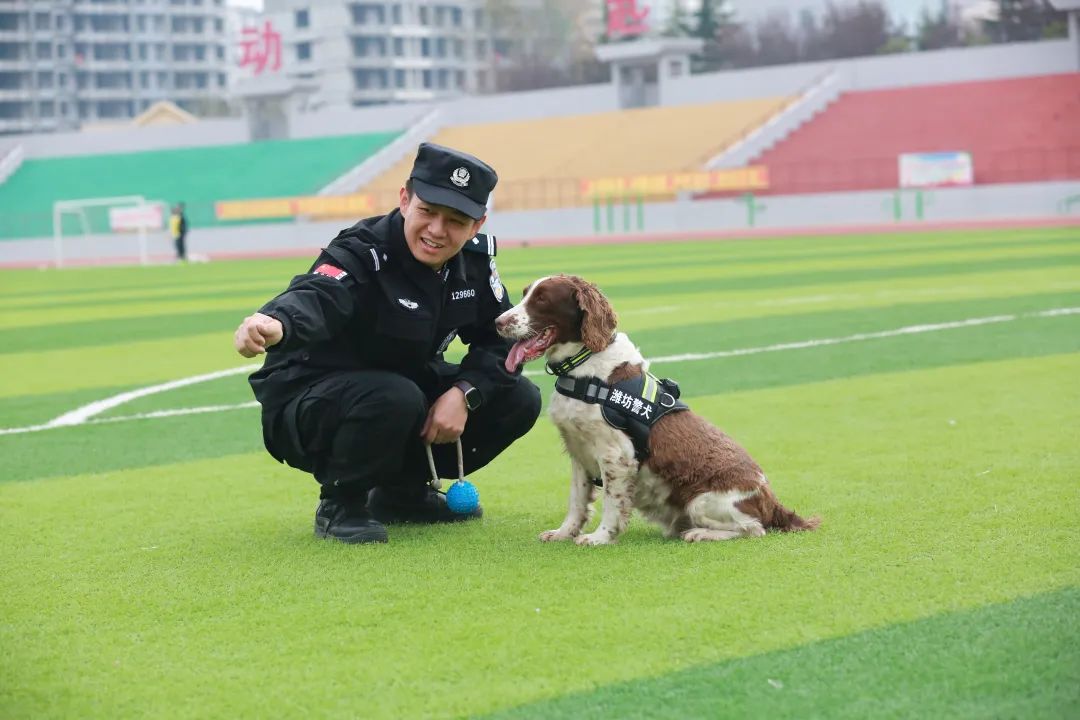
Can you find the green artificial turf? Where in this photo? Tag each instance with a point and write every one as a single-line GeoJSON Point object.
{"type": "Point", "coordinates": [166, 566]}
{"type": "Point", "coordinates": [1016, 659]}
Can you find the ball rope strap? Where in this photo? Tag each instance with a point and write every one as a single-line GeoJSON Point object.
{"type": "Point", "coordinates": [462, 497]}
{"type": "Point", "coordinates": [435, 481]}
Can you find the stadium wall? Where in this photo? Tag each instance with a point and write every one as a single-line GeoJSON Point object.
{"type": "Point", "coordinates": [1023, 204]}
{"type": "Point", "coordinates": [888, 71]}
{"type": "Point", "coordinates": [880, 72]}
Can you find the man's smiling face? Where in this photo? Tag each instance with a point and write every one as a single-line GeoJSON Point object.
{"type": "Point", "coordinates": [435, 233]}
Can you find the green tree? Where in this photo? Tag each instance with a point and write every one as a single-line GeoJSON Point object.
{"type": "Point", "coordinates": [937, 30]}
{"type": "Point", "coordinates": [678, 22]}
{"type": "Point", "coordinates": [1025, 20]}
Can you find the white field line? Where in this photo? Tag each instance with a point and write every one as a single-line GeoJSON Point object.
{"type": "Point", "coordinates": [950, 291]}
{"type": "Point", "coordinates": [81, 415]}
{"type": "Point", "coordinates": [84, 415]}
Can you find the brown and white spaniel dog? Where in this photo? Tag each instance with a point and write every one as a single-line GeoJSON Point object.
{"type": "Point", "coordinates": [696, 482]}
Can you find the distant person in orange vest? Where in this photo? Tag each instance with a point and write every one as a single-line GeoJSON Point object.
{"type": "Point", "coordinates": [178, 230]}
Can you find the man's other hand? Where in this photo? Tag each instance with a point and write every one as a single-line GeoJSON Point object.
{"type": "Point", "coordinates": [257, 333]}
{"type": "Point", "coordinates": [446, 419]}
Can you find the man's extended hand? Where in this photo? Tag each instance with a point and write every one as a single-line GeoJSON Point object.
{"type": "Point", "coordinates": [446, 419]}
{"type": "Point", "coordinates": [257, 333]}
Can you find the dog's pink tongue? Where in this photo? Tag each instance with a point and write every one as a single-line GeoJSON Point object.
{"type": "Point", "coordinates": [516, 356]}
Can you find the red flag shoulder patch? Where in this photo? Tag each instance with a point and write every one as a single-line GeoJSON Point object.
{"type": "Point", "coordinates": [330, 271]}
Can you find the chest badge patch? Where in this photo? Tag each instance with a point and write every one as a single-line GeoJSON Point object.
{"type": "Point", "coordinates": [407, 303]}
{"type": "Point", "coordinates": [496, 282]}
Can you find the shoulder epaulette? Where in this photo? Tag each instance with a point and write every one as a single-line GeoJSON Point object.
{"type": "Point", "coordinates": [482, 244]}
{"type": "Point", "coordinates": [354, 253]}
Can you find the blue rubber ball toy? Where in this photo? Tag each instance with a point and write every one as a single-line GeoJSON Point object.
{"type": "Point", "coordinates": [462, 497]}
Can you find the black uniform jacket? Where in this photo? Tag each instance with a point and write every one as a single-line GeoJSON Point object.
{"type": "Point", "coordinates": [367, 303]}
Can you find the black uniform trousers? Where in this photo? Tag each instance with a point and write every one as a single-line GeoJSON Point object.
{"type": "Point", "coordinates": [355, 430]}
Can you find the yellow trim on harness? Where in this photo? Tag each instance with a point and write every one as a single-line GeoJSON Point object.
{"type": "Point", "coordinates": [651, 386]}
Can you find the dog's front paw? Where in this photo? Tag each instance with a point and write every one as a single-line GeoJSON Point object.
{"type": "Point", "coordinates": [596, 538]}
{"type": "Point", "coordinates": [554, 536]}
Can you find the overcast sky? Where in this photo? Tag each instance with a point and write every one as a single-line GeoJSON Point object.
{"type": "Point", "coordinates": [907, 10]}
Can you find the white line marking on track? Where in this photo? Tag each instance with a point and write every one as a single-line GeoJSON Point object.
{"type": "Point", "coordinates": [81, 415]}
{"type": "Point", "coordinates": [84, 415]}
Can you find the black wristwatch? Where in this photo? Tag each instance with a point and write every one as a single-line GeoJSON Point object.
{"type": "Point", "coordinates": [472, 395]}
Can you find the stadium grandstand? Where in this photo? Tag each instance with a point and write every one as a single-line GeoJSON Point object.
{"type": "Point", "coordinates": [1019, 129]}
{"type": "Point", "coordinates": [981, 134]}
{"type": "Point", "coordinates": [198, 176]}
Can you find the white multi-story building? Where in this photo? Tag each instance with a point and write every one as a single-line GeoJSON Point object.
{"type": "Point", "coordinates": [364, 53]}
{"type": "Point", "coordinates": [65, 63]}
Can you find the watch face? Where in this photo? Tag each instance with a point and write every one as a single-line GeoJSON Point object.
{"type": "Point", "coordinates": [472, 398]}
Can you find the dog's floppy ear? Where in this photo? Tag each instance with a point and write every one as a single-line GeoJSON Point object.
{"type": "Point", "coordinates": [598, 320]}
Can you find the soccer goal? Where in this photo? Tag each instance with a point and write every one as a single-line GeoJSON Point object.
{"type": "Point", "coordinates": [89, 228]}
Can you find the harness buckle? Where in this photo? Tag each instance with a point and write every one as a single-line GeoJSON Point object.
{"type": "Point", "coordinates": [671, 398]}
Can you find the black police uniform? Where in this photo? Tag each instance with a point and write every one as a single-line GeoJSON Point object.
{"type": "Point", "coordinates": [347, 389]}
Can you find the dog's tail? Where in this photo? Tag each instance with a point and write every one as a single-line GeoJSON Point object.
{"type": "Point", "coordinates": [786, 520]}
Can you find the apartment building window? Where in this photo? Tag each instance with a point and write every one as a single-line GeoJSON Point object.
{"type": "Point", "coordinates": [221, 80]}
{"type": "Point", "coordinates": [303, 51]}
{"type": "Point", "coordinates": [369, 46]}
{"type": "Point", "coordinates": [44, 79]}
{"type": "Point", "coordinates": [369, 79]}
{"type": "Point", "coordinates": [440, 48]}
{"type": "Point", "coordinates": [423, 9]}
{"type": "Point", "coordinates": [442, 78]}
{"type": "Point", "coordinates": [219, 51]}
{"type": "Point", "coordinates": [43, 50]}
{"type": "Point", "coordinates": [218, 24]}
{"type": "Point", "coordinates": [144, 79]}
{"type": "Point", "coordinates": [303, 18]}
{"type": "Point", "coordinates": [42, 21]}
{"type": "Point", "coordinates": [425, 47]}
{"type": "Point", "coordinates": [459, 79]}
{"type": "Point", "coordinates": [440, 16]}
{"type": "Point", "coordinates": [395, 14]}
{"type": "Point", "coordinates": [455, 16]}
{"type": "Point", "coordinates": [399, 47]}
{"type": "Point", "coordinates": [400, 80]}
{"type": "Point", "coordinates": [427, 79]}
{"type": "Point", "coordinates": [481, 49]}
{"type": "Point", "coordinates": [459, 48]}
{"type": "Point", "coordinates": [478, 18]}
{"type": "Point", "coordinates": [46, 109]}
{"type": "Point", "coordinates": [140, 23]}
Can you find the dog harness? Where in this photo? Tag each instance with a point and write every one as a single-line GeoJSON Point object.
{"type": "Point", "coordinates": [632, 405]}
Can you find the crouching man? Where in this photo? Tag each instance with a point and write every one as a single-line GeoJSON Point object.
{"type": "Point", "coordinates": [355, 385]}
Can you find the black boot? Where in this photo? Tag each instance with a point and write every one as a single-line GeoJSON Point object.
{"type": "Point", "coordinates": [417, 505]}
{"type": "Point", "coordinates": [347, 523]}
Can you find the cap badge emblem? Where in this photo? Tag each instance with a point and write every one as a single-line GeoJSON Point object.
{"type": "Point", "coordinates": [460, 177]}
